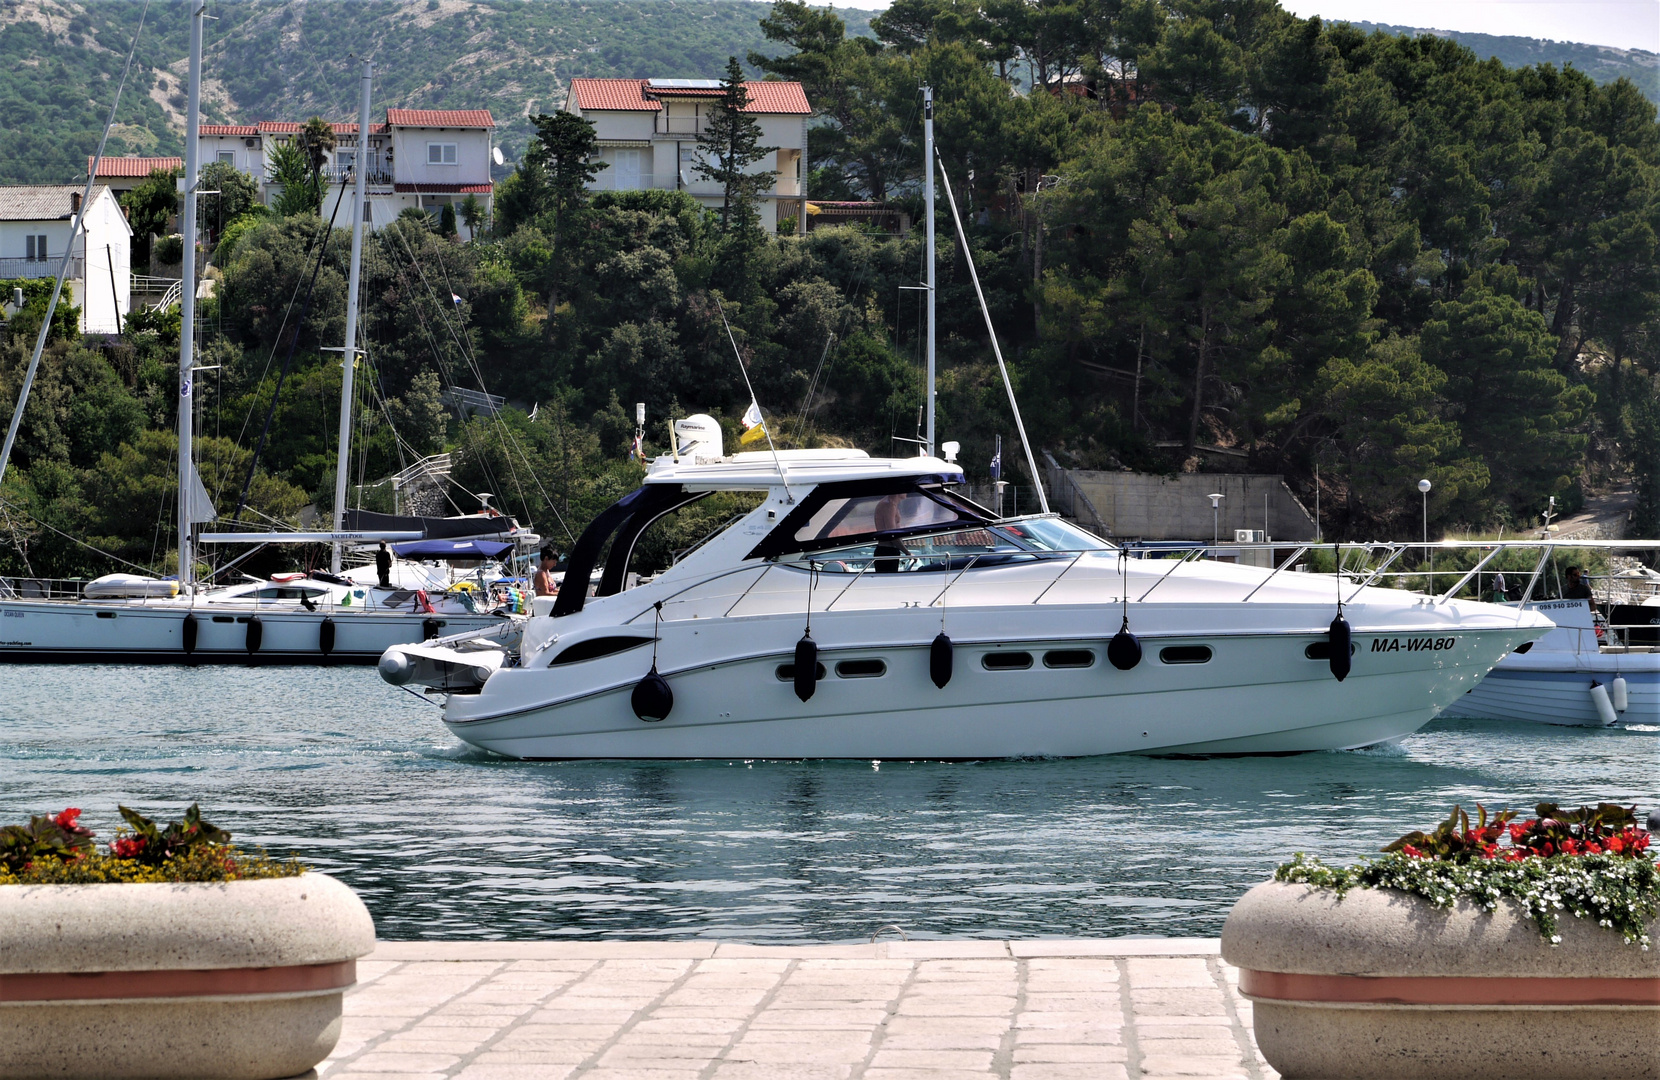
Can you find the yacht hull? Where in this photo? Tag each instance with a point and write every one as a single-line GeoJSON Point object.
{"type": "Point", "coordinates": [1551, 682]}
{"type": "Point", "coordinates": [1256, 694]}
{"type": "Point", "coordinates": [152, 632]}
{"type": "Point", "coordinates": [1564, 697]}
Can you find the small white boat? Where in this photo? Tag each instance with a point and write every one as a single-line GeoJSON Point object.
{"type": "Point", "coordinates": [1579, 674]}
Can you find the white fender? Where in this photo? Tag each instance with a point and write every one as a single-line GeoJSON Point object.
{"type": "Point", "coordinates": [1616, 690]}
{"type": "Point", "coordinates": [1604, 707]}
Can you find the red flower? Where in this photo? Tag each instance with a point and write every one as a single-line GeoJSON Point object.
{"type": "Point", "coordinates": [1408, 849]}
{"type": "Point", "coordinates": [127, 848]}
{"type": "Point", "coordinates": [68, 819]}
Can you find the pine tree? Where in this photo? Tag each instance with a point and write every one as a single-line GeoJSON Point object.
{"type": "Point", "coordinates": [729, 145]}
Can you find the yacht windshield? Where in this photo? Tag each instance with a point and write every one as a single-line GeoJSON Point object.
{"type": "Point", "coordinates": [1054, 534]}
{"type": "Point", "coordinates": [954, 550]}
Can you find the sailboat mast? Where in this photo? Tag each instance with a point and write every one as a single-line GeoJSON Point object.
{"type": "Point", "coordinates": [928, 225]}
{"type": "Point", "coordinates": [360, 172]}
{"type": "Point", "coordinates": [187, 303]}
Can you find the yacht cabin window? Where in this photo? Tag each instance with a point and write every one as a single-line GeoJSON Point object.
{"type": "Point", "coordinates": [866, 514]}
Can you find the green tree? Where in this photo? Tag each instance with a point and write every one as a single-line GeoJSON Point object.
{"type": "Point", "coordinates": [565, 153]}
{"type": "Point", "coordinates": [1390, 430]}
{"type": "Point", "coordinates": [1516, 411]}
{"type": "Point", "coordinates": [472, 215]}
{"type": "Point", "coordinates": [316, 140]}
{"type": "Point", "coordinates": [150, 208]}
{"type": "Point", "coordinates": [288, 167]}
{"type": "Point", "coordinates": [233, 195]}
{"type": "Point", "coordinates": [728, 146]}
{"type": "Point", "coordinates": [446, 221]}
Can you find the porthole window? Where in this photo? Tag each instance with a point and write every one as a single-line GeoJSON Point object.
{"type": "Point", "coordinates": [786, 672]}
{"type": "Point", "coordinates": [1006, 661]}
{"type": "Point", "coordinates": [860, 669]}
{"type": "Point", "coordinates": [1068, 658]}
{"type": "Point", "coordinates": [1321, 650]}
{"type": "Point", "coordinates": [1185, 654]}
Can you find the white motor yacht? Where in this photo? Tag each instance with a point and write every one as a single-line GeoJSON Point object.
{"type": "Point", "coordinates": [864, 610]}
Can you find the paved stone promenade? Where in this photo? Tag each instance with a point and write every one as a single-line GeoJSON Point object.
{"type": "Point", "coordinates": [1024, 1010]}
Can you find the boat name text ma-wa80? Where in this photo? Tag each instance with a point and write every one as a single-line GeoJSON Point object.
{"type": "Point", "coordinates": [865, 610]}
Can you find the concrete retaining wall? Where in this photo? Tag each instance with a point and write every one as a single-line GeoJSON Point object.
{"type": "Point", "coordinates": [1151, 507]}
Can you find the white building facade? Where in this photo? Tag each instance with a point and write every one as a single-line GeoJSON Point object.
{"type": "Point", "coordinates": [35, 223]}
{"type": "Point", "coordinates": [648, 131]}
{"type": "Point", "coordinates": [421, 158]}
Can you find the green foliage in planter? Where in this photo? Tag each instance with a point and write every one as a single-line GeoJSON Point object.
{"type": "Point", "coordinates": [208, 863]}
{"type": "Point", "coordinates": [50, 839]}
{"type": "Point", "coordinates": [153, 846]}
{"type": "Point", "coordinates": [58, 850]}
{"type": "Point", "coordinates": [1591, 862]}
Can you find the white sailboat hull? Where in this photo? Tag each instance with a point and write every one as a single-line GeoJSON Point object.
{"type": "Point", "coordinates": [153, 631]}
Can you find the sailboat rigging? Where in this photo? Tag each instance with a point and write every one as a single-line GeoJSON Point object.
{"type": "Point", "coordinates": [341, 615]}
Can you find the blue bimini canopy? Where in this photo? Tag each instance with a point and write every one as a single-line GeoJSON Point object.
{"type": "Point", "coordinates": [452, 549]}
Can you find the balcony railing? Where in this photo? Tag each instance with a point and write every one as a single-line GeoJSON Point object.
{"type": "Point", "coordinates": [40, 268]}
{"type": "Point", "coordinates": [344, 174]}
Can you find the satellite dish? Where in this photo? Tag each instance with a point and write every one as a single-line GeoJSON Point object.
{"type": "Point", "coordinates": [495, 152]}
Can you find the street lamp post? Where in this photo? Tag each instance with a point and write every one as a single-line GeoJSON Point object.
{"type": "Point", "coordinates": [1215, 520]}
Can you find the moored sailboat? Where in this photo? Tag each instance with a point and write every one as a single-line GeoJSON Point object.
{"type": "Point", "coordinates": [321, 617]}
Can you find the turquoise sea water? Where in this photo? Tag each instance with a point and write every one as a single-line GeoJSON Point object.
{"type": "Point", "coordinates": [360, 780]}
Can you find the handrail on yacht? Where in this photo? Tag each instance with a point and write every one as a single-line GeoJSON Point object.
{"type": "Point", "coordinates": [1295, 555]}
{"type": "Point", "coordinates": [1465, 580]}
{"type": "Point", "coordinates": [1385, 565]}
{"type": "Point", "coordinates": [1362, 576]}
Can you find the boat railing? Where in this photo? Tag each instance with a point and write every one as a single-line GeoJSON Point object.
{"type": "Point", "coordinates": [1408, 566]}
{"type": "Point", "coordinates": [34, 588]}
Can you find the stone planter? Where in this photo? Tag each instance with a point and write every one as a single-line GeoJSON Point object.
{"type": "Point", "coordinates": [1383, 985]}
{"type": "Point", "coordinates": [237, 980]}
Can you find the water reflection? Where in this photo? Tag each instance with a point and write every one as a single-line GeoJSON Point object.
{"type": "Point", "coordinates": [443, 841]}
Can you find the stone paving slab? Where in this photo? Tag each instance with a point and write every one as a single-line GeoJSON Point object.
{"type": "Point", "coordinates": [1042, 1009]}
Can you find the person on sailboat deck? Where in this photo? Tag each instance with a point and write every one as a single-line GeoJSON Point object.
{"type": "Point", "coordinates": [543, 581]}
{"type": "Point", "coordinates": [1576, 589]}
{"type": "Point", "coordinates": [383, 565]}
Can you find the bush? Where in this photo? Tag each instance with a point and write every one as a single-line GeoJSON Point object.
{"type": "Point", "coordinates": [235, 231]}
{"type": "Point", "coordinates": [169, 250]}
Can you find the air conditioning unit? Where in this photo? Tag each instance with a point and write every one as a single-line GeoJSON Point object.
{"type": "Point", "coordinates": [1250, 536]}
{"type": "Point", "coordinates": [249, 143]}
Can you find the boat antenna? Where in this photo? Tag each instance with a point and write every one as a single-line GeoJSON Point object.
{"type": "Point", "coordinates": [788, 498]}
{"type": "Point", "coordinates": [68, 249]}
{"type": "Point", "coordinates": [996, 350]}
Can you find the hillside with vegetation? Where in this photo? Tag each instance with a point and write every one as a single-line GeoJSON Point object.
{"type": "Point", "coordinates": [1366, 258]}
{"type": "Point", "coordinates": [1603, 63]}
{"type": "Point", "coordinates": [286, 59]}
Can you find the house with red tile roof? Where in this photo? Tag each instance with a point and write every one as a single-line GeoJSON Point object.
{"type": "Point", "coordinates": [122, 174]}
{"type": "Point", "coordinates": [648, 130]}
{"type": "Point", "coordinates": [422, 158]}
